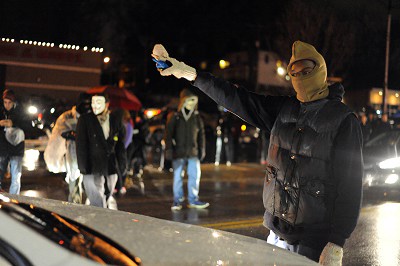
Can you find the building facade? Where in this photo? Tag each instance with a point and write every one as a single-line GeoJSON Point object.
{"type": "Point", "coordinates": [48, 69]}
{"type": "Point", "coordinates": [262, 71]}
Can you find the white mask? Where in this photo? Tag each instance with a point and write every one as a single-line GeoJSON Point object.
{"type": "Point", "coordinates": [98, 104]}
{"type": "Point", "coordinates": [190, 103]}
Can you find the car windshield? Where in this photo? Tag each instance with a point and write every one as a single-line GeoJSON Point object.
{"type": "Point", "coordinates": [68, 233]}
{"type": "Point", "coordinates": [389, 138]}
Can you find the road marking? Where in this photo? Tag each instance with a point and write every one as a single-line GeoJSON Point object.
{"type": "Point", "coordinates": [235, 224]}
{"type": "Point", "coordinates": [252, 222]}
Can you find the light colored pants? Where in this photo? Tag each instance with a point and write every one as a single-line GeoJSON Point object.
{"type": "Point", "coordinates": [311, 253]}
{"type": "Point", "coordinates": [274, 240]}
{"type": "Point", "coordinates": [193, 172]}
{"type": "Point", "coordinates": [95, 188]}
{"type": "Point", "coordinates": [15, 169]}
{"type": "Point", "coordinates": [75, 190]}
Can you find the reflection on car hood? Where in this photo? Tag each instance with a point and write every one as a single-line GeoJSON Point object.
{"type": "Point", "coordinates": [61, 232]}
{"type": "Point", "coordinates": [161, 242]}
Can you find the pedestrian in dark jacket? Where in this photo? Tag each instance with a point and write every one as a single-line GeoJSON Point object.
{"type": "Point", "coordinates": [365, 127]}
{"type": "Point", "coordinates": [380, 126]}
{"type": "Point", "coordinates": [185, 145]}
{"type": "Point", "coordinates": [137, 149]}
{"type": "Point", "coordinates": [12, 144]}
{"type": "Point", "coordinates": [313, 184]}
{"type": "Point", "coordinates": [123, 120]}
{"type": "Point", "coordinates": [98, 137]}
{"type": "Point", "coordinates": [224, 137]}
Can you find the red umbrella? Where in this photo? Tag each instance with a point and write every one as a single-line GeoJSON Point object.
{"type": "Point", "coordinates": [119, 97]}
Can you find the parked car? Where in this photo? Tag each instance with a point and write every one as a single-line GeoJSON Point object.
{"type": "Point", "coordinates": [36, 231]}
{"type": "Point", "coordinates": [382, 161]}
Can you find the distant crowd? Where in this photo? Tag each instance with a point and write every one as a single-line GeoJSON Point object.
{"type": "Point", "coordinates": [373, 125]}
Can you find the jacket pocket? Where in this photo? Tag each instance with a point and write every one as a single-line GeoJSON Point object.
{"type": "Point", "coordinates": [269, 188]}
{"type": "Point", "coordinates": [312, 206]}
{"type": "Point", "coordinates": [315, 188]}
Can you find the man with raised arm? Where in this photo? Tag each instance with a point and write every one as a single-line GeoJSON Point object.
{"type": "Point", "coordinates": [313, 188]}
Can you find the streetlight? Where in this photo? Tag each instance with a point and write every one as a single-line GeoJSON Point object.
{"type": "Point", "coordinates": [385, 82]}
{"type": "Point", "coordinates": [279, 68]}
{"type": "Point", "coordinates": [223, 64]}
{"type": "Point", "coordinates": [32, 109]}
{"type": "Point", "coordinates": [106, 71]}
{"type": "Point", "coordinates": [281, 71]}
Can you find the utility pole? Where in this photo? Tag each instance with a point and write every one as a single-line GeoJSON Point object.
{"type": "Point", "coordinates": [385, 83]}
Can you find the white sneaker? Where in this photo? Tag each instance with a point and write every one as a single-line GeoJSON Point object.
{"type": "Point", "coordinates": [176, 206]}
{"type": "Point", "coordinates": [198, 205]}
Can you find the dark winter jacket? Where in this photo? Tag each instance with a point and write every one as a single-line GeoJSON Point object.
{"type": "Point", "coordinates": [7, 149]}
{"type": "Point", "coordinates": [185, 139]}
{"type": "Point", "coordinates": [97, 155]}
{"type": "Point", "coordinates": [299, 189]}
{"type": "Point", "coordinates": [343, 165]}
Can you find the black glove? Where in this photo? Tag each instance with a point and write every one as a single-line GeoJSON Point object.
{"type": "Point", "coordinates": [69, 135]}
{"type": "Point", "coordinates": [168, 155]}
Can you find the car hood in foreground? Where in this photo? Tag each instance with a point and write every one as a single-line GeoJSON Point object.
{"type": "Point", "coordinates": [162, 242]}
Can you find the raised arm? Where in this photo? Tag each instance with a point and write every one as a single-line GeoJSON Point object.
{"type": "Point", "coordinates": [258, 110]}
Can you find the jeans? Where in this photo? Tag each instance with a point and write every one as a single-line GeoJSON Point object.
{"type": "Point", "coordinates": [225, 142]}
{"type": "Point", "coordinates": [193, 172]}
{"type": "Point", "coordinates": [15, 169]}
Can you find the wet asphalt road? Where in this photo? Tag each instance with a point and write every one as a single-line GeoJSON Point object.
{"type": "Point", "coordinates": [235, 196]}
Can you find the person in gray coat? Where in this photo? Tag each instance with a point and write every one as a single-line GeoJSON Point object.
{"type": "Point", "coordinates": [60, 152]}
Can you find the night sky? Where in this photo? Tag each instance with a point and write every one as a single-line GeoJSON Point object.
{"type": "Point", "coordinates": [350, 34]}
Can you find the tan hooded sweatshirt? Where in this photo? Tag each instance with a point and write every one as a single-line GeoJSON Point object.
{"type": "Point", "coordinates": [313, 86]}
{"type": "Point", "coordinates": [186, 96]}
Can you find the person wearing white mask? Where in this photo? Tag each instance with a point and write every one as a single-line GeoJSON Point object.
{"type": "Point", "coordinates": [98, 139]}
{"type": "Point", "coordinates": [185, 146]}
{"type": "Point", "coordinates": [313, 183]}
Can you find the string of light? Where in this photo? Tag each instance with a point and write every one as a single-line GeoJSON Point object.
{"type": "Point", "coordinates": [61, 46]}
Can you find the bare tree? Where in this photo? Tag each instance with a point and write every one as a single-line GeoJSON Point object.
{"type": "Point", "coordinates": [318, 23]}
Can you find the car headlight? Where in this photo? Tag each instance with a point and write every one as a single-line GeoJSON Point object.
{"type": "Point", "coordinates": [390, 163]}
{"type": "Point", "coordinates": [391, 179]}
